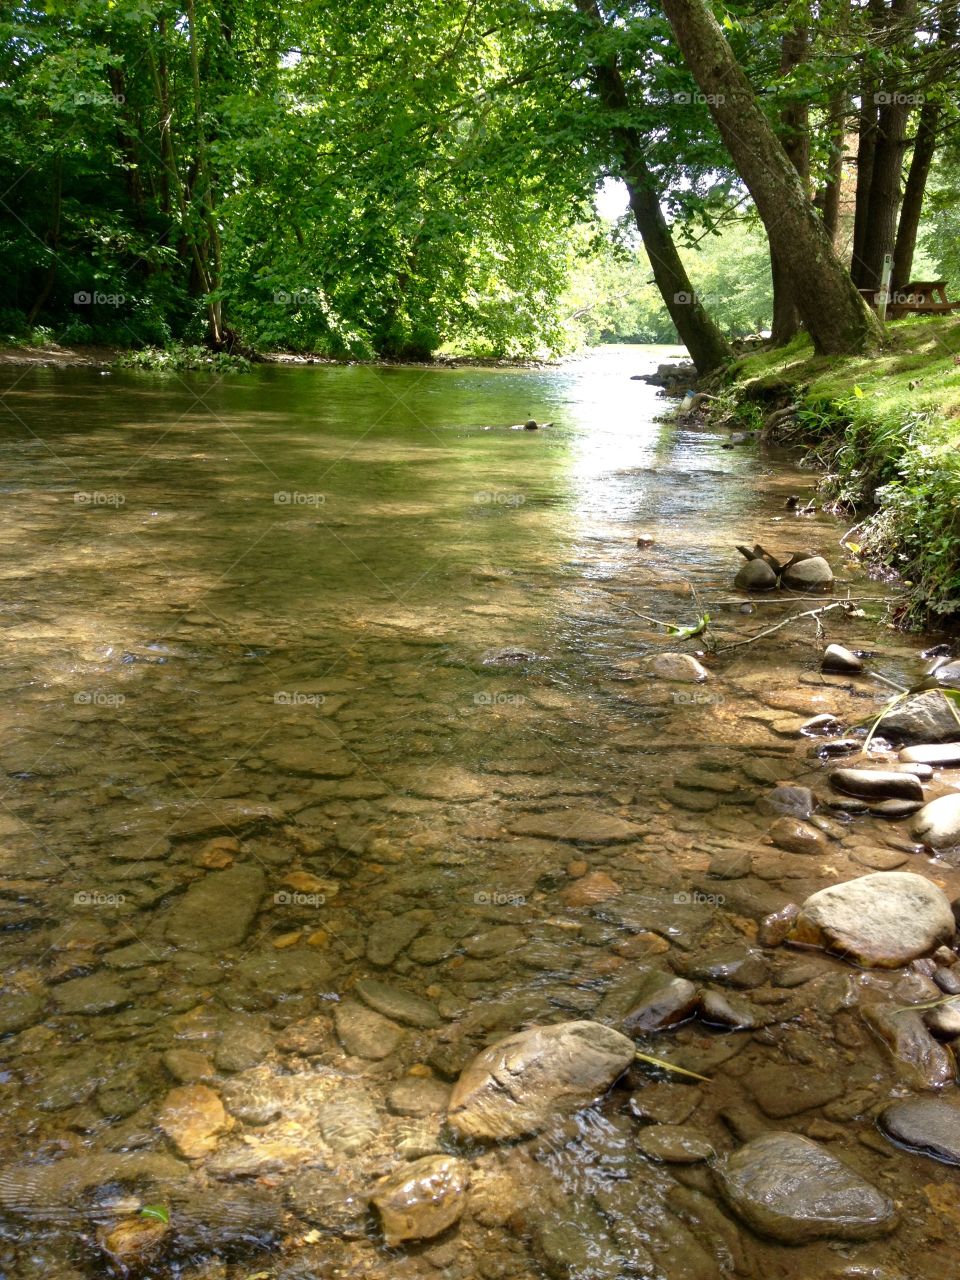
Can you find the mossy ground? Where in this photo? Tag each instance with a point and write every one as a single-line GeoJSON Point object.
{"type": "Point", "coordinates": [886, 430]}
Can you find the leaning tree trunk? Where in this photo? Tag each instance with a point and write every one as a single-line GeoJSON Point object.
{"type": "Point", "coordinates": [698, 332]}
{"type": "Point", "coordinates": [866, 149]}
{"type": "Point", "coordinates": [794, 124]}
{"type": "Point", "coordinates": [837, 318]}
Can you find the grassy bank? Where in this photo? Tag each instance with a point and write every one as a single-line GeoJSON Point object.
{"type": "Point", "coordinates": [885, 430]}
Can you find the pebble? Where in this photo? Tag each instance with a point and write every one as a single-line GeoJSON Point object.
{"type": "Point", "coordinates": [660, 1000]}
{"type": "Point", "coordinates": [422, 1199]}
{"type": "Point", "coordinates": [192, 1116]}
{"type": "Point", "coordinates": [365, 1033]}
{"type": "Point", "coordinates": [387, 938]}
{"type": "Point", "coordinates": [418, 1096]}
{"type": "Point", "coordinates": [666, 1103]}
{"type": "Point", "coordinates": [681, 667]}
{"type": "Point", "coordinates": [791, 801]}
{"type": "Point", "coordinates": [795, 836]}
{"type": "Point", "coordinates": [674, 1144]}
{"type": "Point", "coordinates": [944, 1019]}
{"type": "Point", "coordinates": [917, 1057]}
{"type": "Point", "coordinates": [595, 887]}
{"type": "Point", "coordinates": [393, 1002]}
{"type": "Point", "coordinates": [775, 927]}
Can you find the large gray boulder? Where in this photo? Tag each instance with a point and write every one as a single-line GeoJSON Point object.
{"type": "Point", "coordinates": [788, 1187]}
{"type": "Point", "coordinates": [879, 921]}
{"type": "Point", "coordinates": [518, 1085]}
{"type": "Point", "coordinates": [925, 717]}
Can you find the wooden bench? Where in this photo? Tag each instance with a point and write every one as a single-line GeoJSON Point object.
{"type": "Point", "coordinates": [918, 297]}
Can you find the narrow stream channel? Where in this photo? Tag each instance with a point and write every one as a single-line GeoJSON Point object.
{"type": "Point", "coordinates": [331, 756]}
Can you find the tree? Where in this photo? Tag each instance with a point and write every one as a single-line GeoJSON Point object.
{"type": "Point", "coordinates": [838, 320]}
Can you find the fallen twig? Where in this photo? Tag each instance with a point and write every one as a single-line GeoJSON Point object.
{"type": "Point", "coordinates": [794, 617]}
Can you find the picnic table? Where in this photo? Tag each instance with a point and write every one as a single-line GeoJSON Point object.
{"type": "Point", "coordinates": [923, 297]}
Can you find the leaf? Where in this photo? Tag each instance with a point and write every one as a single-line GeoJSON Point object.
{"type": "Point", "coordinates": [157, 1211]}
{"type": "Point", "coordinates": [858, 392]}
{"type": "Point", "coordinates": [669, 1066]}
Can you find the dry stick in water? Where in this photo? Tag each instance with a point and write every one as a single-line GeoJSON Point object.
{"type": "Point", "coordinates": [794, 617]}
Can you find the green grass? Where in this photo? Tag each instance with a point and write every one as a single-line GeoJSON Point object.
{"type": "Point", "coordinates": [886, 431]}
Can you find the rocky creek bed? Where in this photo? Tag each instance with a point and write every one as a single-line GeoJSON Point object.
{"type": "Point", "coordinates": [352, 850]}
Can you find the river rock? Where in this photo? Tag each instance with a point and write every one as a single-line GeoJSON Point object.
{"type": "Point", "coordinates": [795, 836]}
{"type": "Point", "coordinates": [595, 887]}
{"type": "Point", "coordinates": [679, 666]}
{"type": "Point", "coordinates": [19, 1010]}
{"type": "Point", "coordinates": [807, 575]}
{"type": "Point", "coordinates": [877, 784]}
{"type": "Point", "coordinates": [755, 575]}
{"type": "Point", "coordinates": [840, 660]}
{"type": "Point", "coordinates": [937, 824]}
{"type": "Point", "coordinates": [325, 1201]}
{"type": "Point", "coordinates": [918, 1058]}
{"type": "Point", "coordinates": [365, 1033]}
{"type": "Point", "coordinates": [945, 755]}
{"type": "Point", "coordinates": [418, 1096]}
{"type": "Point", "coordinates": [924, 718]}
{"type": "Point", "coordinates": [217, 910]}
{"type": "Point", "coordinates": [928, 1125]}
{"type": "Point", "coordinates": [787, 1187]}
{"type": "Point", "coordinates": [422, 1199]}
{"type": "Point", "coordinates": [894, 810]}
{"type": "Point", "coordinates": [775, 927]}
{"type": "Point", "coordinates": [518, 1085]}
{"type": "Point", "coordinates": [584, 826]}
{"type": "Point", "coordinates": [95, 994]}
{"type": "Point", "coordinates": [879, 921]}
{"type": "Point", "coordinates": [349, 1121]}
{"type": "Point", "coordinates": [660, 1000]}
{"type": "Point", "coordinates": [943, 1020]}
{"type": "Point", "coordinates": [948, 673]}
{"type": "Point", "coordinates": [401, 1006]}
{"type": "Point", "coordinates": [674, 1144]}
{"type": "Point", "coordinates": [192, 1116]}
{"type": "Point", "coordinates": [665, 1102]}
{"type": "Point", "coordinates": [387, 938]}
{"type": "Point", "coordinates": [791, 801]}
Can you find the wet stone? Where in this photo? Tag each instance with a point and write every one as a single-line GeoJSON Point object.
{"type": "Point", "coordinates": [877, 784]}
{"type": "Point", "coordinates": [365, 1033]}
{"type": "Point", "coordinates": [422, 1199]}
{"type": "Point", "coordinates": [937, 824]}
{"type": "Point", "coordinates": [930, 1126]}
{"type": "Point", "coordinates": [917, 1057]}
{"type": "Point", "coordinates": [792, 1189]}
{"type": "Point", "coordinates": [594, 887]}
{"type": "Point", "coordinates": [790, 801]}
{"type": "Point", "coordinates": [585, 826]}
{"type": "Point", "coordinates": [681, 667]}
{"type": "Point", "coordinates": [349, 1122]}
{"type": "Point", "coordinates": [494, 942]}
{"type": "Point", "coordinates": [19, 1010]}
{"type": "Point", "coordinates": [674, 1144]}
{"type": "Point", "coordinates": [192, 1117]}
{"type": "Point", "coordinates": [787, 1090]}
{"type": "Point", "coordinates": [241, 1047]}
{"type": "Point", "coordinates": [325, 1201]}
{"type": "Point", "coordinates": [659, 1000]}
{"type": "Point", "coordinates": [418, 1096]}
{"type": "Point", "coordinates": [520, 1084]}
{"type": "Point", "coordinates": [94, 995]}
{"type": "Point", "coordinates": [924, 718]}
{"type": "Point", "coordinates": [880, 859]}
{"type": "Point", "coordinates": [387, 938]}
{"type": "Point", "coordinates": [188, 1065]}
{"type": "Point", "coordinates": [941, 755]}
{"type": "Point", "coordinates": [944, 1019]}
{"type": "Point", "coordinates": [431, 948]}
{"type": "Point", "coordinates": [724, 1009]}
{"type": "Point", "coordinates": [894, 809]}
{"type": "Point", "coordinates": [393, 1002]}
{"type": "Point", "coordinates": [794, 836]}
{"type": "Point", "coordinates": [216, 911]}
{"type": "Point", "coordinates": [733, 966]}
{"type": "Point", "coordinates": [665, 1103]}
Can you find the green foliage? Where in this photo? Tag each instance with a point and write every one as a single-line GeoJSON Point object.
{"type": "Point", "coordinates": [888, 430]}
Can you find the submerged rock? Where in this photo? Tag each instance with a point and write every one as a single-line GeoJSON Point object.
{"type": "Point", "coordinates": [365, 1033]}
{"type": "Point", "coordinates": [791, 801]}
{"type": "Point", "coordinates": [674, 1144]}
{"type": "Point", "coordinates": [518, 1085]}
{"type": "Point", "coordinates": [401, 1006]}
{"type": "Point", "coordinates": [422, 1199]}
{"type": "Point", "coordinates": [937, 824]}
{"type": "Point", "coordinates": [928, 1125]}
{"type": "Point", "coordinates": [679, 666]}
{"type": "Point", "coordinates": [877, 921]}
{"type": "Point", "coordinates": [193, 1117]}
{"type": "Point", "coordinates": [216, 912]}
{"type": "Point", "coordinates": [919, 1059]}
{"type": "Point", "coordinates": [660, 1000]}
{"type": "Point", "coordinates": [585, 826]}
{"type": "Point", "coordinates": [792, 1189]}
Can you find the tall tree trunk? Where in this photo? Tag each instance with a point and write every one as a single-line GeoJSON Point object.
{"type": "Point", "coordinates": [52, 242]}
{"type": "Point", "coordinates": [215, 329]}
{"type": "Point", "coordinates": [698, 332]}
{"type": "Point", "coordinates": [828, 197]}
{"type": "Point", "coordinates": [909, 224]}
{"type": "Point", "coordinates": [866, 149]}
{"type": "Point", "coordinates": [794, 124]}
{"type": "Point", "coordinates": [838, 320]}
